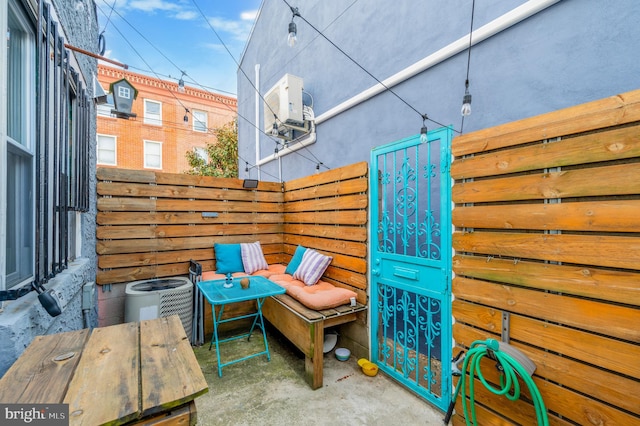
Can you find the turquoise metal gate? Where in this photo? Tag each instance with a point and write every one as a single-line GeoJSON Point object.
{"type": "Point", "coordinates": [411, 263]}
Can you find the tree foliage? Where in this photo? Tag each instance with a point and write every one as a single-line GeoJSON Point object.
{"type": "Point", "coordinates": [223, 154]}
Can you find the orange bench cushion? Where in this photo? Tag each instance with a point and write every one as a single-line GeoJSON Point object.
{"type": "Point", "coordinates": [319, 296]}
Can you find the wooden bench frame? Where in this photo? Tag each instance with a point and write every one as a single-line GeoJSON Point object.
{"type": "Point", "coordinates": [305, 327]}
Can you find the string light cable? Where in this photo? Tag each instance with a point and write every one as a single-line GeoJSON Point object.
{"type": "Point", "coordinates": [466, 99]}
{"type": "Point", "coordinates": [172, 93]}
{"type": "Point", "coordinates": [248, 79]}
{"type": "Point", "coordinates": [422, 116]}
{"type": "Point", "coordinates": [234, 59]}
{"type": "Point", "coordinates": [299, 50]}
{"type": "Point", "coordinates": [102, 44]}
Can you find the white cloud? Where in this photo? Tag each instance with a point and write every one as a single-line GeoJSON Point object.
{"type": "Point", "coordinates": [239, 30]}
{"type": "Point", "coordinates": [153, 5]}
{"type": "Point", "coordinates": [187, 15]}
{"type": "Point", "coordinates": [249, 15]}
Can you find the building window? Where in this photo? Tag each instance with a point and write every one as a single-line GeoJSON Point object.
{"type": "Point", "coordinates": [17, 146]}
{"type": "Point", "coordinates": [199, 121]}
{"type": "Point", "coordinates": [202, 154]}
{"type": "Point", "coordinates": [152, 112]}
{"type": "Point", "coordinates": [152, 155]}
{"type": "Point", "coordinates": [107, 153]}
{"type": "Point", "coordinates": [44, 164]}
{"type": "Point", "coordinates": [124, 92]}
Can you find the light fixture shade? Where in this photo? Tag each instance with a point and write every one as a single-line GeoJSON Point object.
{"type": "Point", "coordinates": [293, 32]}
{"type": "Point", "coordinates": [250, 183]}
{"type": "Point", "coordinates": [423, 134]}
{"type": "Point", "coordinates": [466, 105]}
{"type": "Point", "coordinates": [181, 85]}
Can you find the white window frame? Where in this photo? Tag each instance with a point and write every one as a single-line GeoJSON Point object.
{"type": "Point", "coordinates": [200, 121]}
{"type": "Point", "coordinates": [151, 117]}
{"type": "Point", "coordinates": [147, 147]}
{"type": "Point", "coordinates": [100, 148]}
{"type": "Point", "coordinates": [22, 210]}
{"type": "Point", "coordinates": [202, 153]}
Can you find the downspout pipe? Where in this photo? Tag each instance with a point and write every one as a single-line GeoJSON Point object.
{"type": "Point", "coordinates": [499, 24]}
{"type": "Point", "coordinates": [257, 118]}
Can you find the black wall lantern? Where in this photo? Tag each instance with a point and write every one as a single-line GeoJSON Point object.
{"type": "Point", "coordinates": [123, 96]}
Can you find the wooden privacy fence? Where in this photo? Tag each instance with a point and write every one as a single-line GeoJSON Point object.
{"type": "Point", "coordinates": [150, 224]}
{"type": "Point", "coordinates": [548, 256]}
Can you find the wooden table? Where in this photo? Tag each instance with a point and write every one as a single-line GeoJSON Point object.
{"type": "Point", "coordinates": [114, 375]}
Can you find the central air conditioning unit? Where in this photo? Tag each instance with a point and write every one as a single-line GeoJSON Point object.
{"type": "Point", "coordinates": [159, 298]}
{"type": "Point", "coordinates": [285, 100]}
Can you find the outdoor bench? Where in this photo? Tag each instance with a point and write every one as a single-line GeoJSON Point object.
{"type": "Point", "coordinates": [302, 326]}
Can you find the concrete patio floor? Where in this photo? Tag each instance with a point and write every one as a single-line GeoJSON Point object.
{"type": "Point", "coordinates": [261, 392]}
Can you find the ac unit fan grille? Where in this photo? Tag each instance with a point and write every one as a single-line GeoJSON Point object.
{"type": "Point", "coordinates": [180, 303]}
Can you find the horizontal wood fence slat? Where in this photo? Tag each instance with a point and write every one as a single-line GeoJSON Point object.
{"type": "Point", "coordinates": [592, 182]}
{"type": "Point", "coordinates": [169, 231]}
{"type": "Point", "coordinates": [353, 186]}
{"type": "Point", "coordinates": [591, 282]}
{"type": "Point", "coordinates": [154, 218]}
{"type": "Point", "coordinates": [175, 192]}
{"type": "Point", "coordinates": [547, 234]}
{"type": "Point", "coordinates": [597, 250]}
{"type": "Point", "coordinates": [164, 205]}
{"type": "Point", "coordinates": [603, 216]}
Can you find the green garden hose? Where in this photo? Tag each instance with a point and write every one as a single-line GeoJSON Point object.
{"type": "Point", "coordinates": [510, 362]}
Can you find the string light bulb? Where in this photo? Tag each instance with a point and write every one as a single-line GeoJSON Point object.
{"type": "Point", "coordinates": [293, 32]}
{"type": "Point", "coordinates": [186, 117]}
{"type": "Point", "coordinates": [292, 38]}
{"type": "Point", "coordinates": [466, 101]}
{"type": "Point", "coordinates": [423, 130]}
{"type": "Point", "coordinates": [274, 129]}
{"type": "Point", "coordinates": [181, 83]}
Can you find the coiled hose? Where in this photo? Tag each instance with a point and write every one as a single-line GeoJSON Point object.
{"type": "Point", "coordinates": [510, 361]}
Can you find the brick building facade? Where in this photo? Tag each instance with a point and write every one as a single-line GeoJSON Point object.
{"type": "Point", "coordinates": [168, 123]}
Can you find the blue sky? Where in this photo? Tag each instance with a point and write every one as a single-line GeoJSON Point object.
{"type": "Point", "coordinates": [136, 30]}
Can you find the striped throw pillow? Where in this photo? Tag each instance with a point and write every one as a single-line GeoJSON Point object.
{"type": "Point", "coordinates": [252, 258]}
{"type": "Point", "coordinates": [312, 267]}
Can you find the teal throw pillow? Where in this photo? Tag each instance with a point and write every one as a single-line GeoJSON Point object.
{"type": "Point", "coordinates": [228, 258]}
{"type": "Point", "coordinates": [295, 260]}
